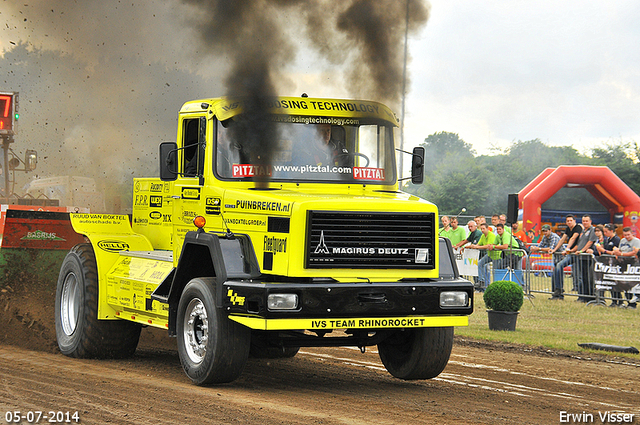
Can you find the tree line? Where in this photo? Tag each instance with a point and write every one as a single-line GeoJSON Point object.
{"type": "Point", "coordinates": [455, 177]}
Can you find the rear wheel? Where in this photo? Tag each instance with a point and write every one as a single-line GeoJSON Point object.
{"type": "Point", "coordinates": [213, 349]}
{"type": "Point", "coordinates": [78, 331]}
{"type": "Point", "coordinates": [417, 353]}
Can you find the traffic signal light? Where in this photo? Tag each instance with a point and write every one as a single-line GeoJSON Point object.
{"type": "Point", "coordinates": [8, 112]}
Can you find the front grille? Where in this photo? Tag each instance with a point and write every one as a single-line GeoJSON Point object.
{"type": "Point", "coordinates": [370, 240]}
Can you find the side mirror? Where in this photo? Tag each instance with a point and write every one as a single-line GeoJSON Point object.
{"type": "Point", "coordinates": [168, 161]}
{"type": "Point", "coordinates": [417, 165]}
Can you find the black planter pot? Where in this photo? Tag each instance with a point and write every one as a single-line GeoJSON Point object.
{"type": "Point", "coordinates": [502, 320]}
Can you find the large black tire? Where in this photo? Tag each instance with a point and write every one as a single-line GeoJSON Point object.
{"type": "Point", "coordinates": [417, 353]}
{"type": "Point", "coordinates": [78, 331]}
{"type": "Point", "coordinates": [213, 349]}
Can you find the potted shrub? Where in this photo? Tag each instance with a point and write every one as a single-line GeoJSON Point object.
{"type": "Point", "coordinates": [503, 299]}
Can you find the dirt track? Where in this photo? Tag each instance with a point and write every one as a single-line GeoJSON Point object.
{"type": "Point", "coordinates": [480, 385]}
{"type": "Point", "coordinates": [484, 383]}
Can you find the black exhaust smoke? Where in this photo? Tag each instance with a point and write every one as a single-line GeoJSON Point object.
{"type": "Point", "coordinates": [361, 38]}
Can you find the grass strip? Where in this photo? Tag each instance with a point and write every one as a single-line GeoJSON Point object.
{"type": "Point", "coordinates": [561, 325]}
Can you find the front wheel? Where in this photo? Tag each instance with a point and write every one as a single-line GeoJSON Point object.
{"type": "Point", "coordinates": [213, 349]}
{"type": "Point", "coordinates": [79, 332]}
{"type": "Point", "coordinates": [417, 353]}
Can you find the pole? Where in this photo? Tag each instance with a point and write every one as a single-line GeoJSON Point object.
{"type": "Point", "coordinates": [404, 88]}
{"type": "Point", "coordinates": [5, 166]}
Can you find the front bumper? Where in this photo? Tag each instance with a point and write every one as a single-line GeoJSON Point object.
{"type": "Point", "coordinates": [338, 305]}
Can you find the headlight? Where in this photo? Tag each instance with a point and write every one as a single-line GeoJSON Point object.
{"type": "Point", "coordinates": [282, 301]}
{"type": "Point", "coordinates": [454, 299]}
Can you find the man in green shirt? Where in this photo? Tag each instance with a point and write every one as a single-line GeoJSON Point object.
{"type": "Point", "coordinates": [457, 233]}
{"type": "Point", "coordinates": [487, 241]}
{"type": "Point", "coordinates": [445, 230]}
{"type": "Point", "coordinates": [506, 242]}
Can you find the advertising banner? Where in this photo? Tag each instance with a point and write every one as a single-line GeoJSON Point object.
{"type": "Point", "coordinates": [617, 274]}
{"type": "Point", "coordinates": [467, 261]}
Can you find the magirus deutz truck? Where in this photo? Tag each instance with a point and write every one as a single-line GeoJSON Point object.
{"type": "Point", "coordinates": [243, 248]}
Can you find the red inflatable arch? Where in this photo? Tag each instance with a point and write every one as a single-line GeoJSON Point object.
{"type": "Point", "coordinates": [601, 182]}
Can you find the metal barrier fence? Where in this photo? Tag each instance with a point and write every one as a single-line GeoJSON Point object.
{"type": "Point", "coordinates": [575, 274]}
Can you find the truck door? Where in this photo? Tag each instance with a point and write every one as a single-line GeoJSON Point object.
{"type": "Point", "coordinates": [187, 196]}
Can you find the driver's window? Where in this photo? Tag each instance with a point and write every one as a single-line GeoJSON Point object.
{"type": "Point", "coordinates": [193, 144]}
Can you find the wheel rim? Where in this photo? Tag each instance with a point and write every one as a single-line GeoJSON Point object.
{"type": "Point", "coordinates": [70, 303]}
{"type": "Point", "coordinates": [196, 330]}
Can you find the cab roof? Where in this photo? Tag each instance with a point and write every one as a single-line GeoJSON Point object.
{"type": "Point", "coordinates": [226, 107]}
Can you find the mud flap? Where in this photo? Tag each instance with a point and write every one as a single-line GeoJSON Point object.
{"type": "Point", "coordinates": [34, 244]}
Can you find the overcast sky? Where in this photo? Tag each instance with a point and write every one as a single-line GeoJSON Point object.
{"type": "Point", "coordinates": [566, 72]}
{"type": "Point", "coordinates": [493, 72]}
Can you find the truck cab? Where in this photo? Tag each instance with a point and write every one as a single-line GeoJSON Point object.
{"type": "Point", "coordinates": [275, 228]}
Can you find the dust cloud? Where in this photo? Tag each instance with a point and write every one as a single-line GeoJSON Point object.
{"type": "Point", "coordinates": [101, 82]}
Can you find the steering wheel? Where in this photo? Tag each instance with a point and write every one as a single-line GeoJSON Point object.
{"type": "Point", "coordinates": [353, 155]}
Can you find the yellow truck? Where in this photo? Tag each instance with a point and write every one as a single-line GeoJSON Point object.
{"type": "Point", "coordinates": [257, 246]}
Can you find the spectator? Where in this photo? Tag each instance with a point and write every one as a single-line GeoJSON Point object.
{"type": "Point", "coordinates": [495, 219]}
{"type": "Point", "coordinates": [474, 235]}
{"type": "Point", "coordinates": [635, 230]}
{"type": "Point", "coordinates": [480, 219]}
{"type": "Point", "coordinates": [585, 263]}
{"type": "Point", "coordinates": [446, 228]}
{"type": "Point", "coordinates": [571, 237]}
{"type": "Point", "coordinates": [457, 233]}
{"type": "Point", "coordinates": [598, 242]}
{"type": "Point", "coordinates": [506, 242]}
{"type": "Point", "coordinates": [502, 218]}
{"type": "Point", "coordinates": [548, 241]}
{"type": "Point", "coordinates": [520, 234]}
{"type": "Point", "coordinates": [628, 250]}
{"type": "Point", "coordinates": [486, 242]}
{"type": "Point", "coordinates": [611, 240]}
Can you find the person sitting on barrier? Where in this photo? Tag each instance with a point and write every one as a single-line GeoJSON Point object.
{"type": "Point", "coordinates": [628, 250]}
{"type": "Point", "coordinates": [548, 241]}
{"type": "Point", "coordinates": [507, 243]}
{"type": "Point", "coordinates": [611, 240]}
{"type": "Point", "coordinates": [474, 235]}
{"type": "Point", "coordinates": [583, 281]}
{"type": "Point", "coordinates": [571, 237]}
{"type": "Point", "coordinates": [486, 242]}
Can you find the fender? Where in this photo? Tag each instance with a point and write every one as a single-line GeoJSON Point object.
{"type": "Point", "coordinates": [214, 255]}
{"type": "Point", "coordinates": [108, 234]}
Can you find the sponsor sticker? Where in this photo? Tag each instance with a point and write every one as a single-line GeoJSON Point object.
{"type": "Point", "coordinates": [113, 246]}
{"type": "Point", "coordinates": [155, 201]}
{"type": "Point", "coordinates": [362, 173]}
{"type": "Point", "coordinates": [191, 193]}
{"type": "Point", "coordinates": [39, 235]}
{"type": "Point", "coordinates": [235, 298]}
{"type": "Point", "coordinates": [212, 206]}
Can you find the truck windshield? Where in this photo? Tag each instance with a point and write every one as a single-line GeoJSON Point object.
{"type": "Point", "coordinates": [351, 153]}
